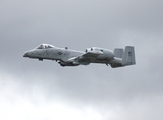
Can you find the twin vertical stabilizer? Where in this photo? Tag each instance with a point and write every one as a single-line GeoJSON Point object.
{"type": "Point", "coordinates": [128, 57]}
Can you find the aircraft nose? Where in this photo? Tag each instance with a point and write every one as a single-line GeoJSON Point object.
{"type": "Point", "coordinates": [25, 54]}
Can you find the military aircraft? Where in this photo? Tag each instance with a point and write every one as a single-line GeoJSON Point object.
{"type": "Point", "coordinates": [68, 57]}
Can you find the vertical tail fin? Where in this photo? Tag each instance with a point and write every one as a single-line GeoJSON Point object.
{"type": "Point", "coordinates": [128, 57]}
{"type": "Point", "coordinates": [118, 52]}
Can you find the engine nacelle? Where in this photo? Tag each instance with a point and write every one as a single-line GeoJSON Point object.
{"type": "Point", "coordinates": [106, 54]}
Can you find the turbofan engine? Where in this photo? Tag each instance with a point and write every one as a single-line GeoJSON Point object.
{"type": "Point", "coordinates": [104, 53]}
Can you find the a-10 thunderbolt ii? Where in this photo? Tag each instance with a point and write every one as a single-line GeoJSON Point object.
{"type": "Point", "coordinates": [68, 57]}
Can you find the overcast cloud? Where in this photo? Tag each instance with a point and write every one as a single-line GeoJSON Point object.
{"type": "Point", "coordinates": [34, 90]}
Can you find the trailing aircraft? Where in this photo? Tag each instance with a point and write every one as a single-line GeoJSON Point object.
{"type": "Point", "coordinates": [68, 57]}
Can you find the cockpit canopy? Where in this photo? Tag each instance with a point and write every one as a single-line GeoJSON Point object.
{"type": "Point", "coordinates": [44, 46]}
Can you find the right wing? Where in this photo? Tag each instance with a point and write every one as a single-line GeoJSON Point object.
{"type": "Point", "coordinates": [86, 58]}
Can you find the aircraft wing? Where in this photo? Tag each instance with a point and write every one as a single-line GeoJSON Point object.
{"type": "Point", "coordinates": [91, 54]}
{"type": "Point", "coordinates": [86, 58]}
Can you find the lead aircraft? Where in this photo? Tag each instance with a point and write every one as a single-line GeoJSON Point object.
{"type": "Point", "coordinates": [67, 57]}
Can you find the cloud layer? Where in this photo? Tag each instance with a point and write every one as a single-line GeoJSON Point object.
{"type": "Point", "coordinates": [44, 90]}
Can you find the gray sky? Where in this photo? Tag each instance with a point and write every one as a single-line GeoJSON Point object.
{"type": "Point", "coordinates": [30, 89]}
